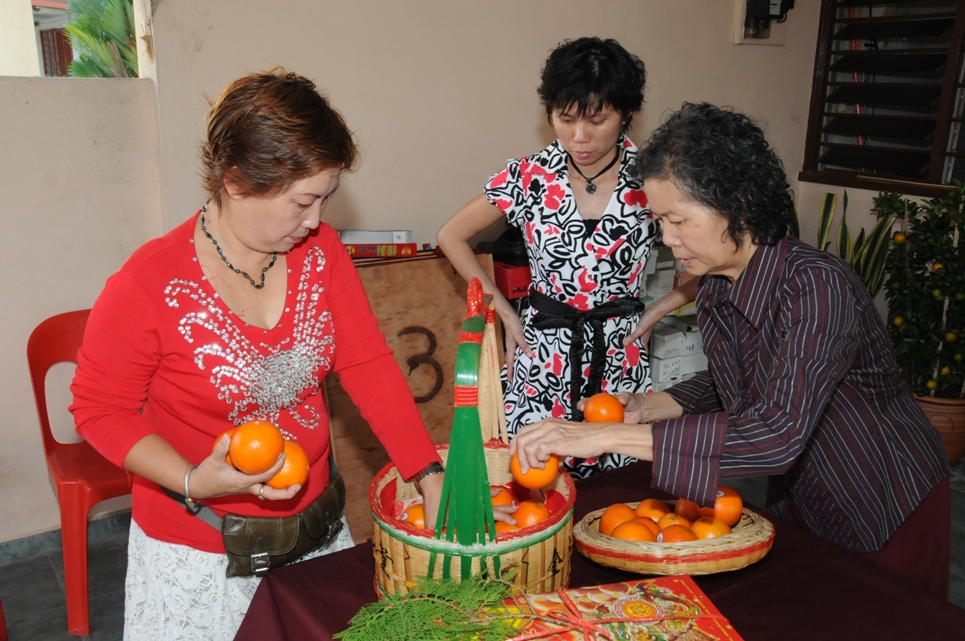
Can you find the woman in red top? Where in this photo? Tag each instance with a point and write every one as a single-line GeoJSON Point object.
{"type": "Point", "coordinates": [237, 315]}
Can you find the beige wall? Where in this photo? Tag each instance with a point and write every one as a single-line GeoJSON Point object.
{"type": "Point", "coordinates": [18, 41]}
{"type": "Point", "coordinates": [439, 92]}
{"type": "Point", "coordinates": [79, 191]}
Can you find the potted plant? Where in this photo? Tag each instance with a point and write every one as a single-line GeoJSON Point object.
{"type": "Point", "coordinates": [925, 293]}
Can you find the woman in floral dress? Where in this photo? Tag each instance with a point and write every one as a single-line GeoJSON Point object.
{"type": "Point", "coordinates": [588, 233]}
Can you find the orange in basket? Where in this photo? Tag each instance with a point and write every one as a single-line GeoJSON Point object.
{"type": "Point", "coordinates": [676, 534]}
{"type": "Point", "coordinates": [615, 515]}
{"type": "Point", "coordinates": [414, 515]}
{"type": "Point", "coordinates": [710, 528]}
{"type": "Point", "coordinates": [728, 507]}
{"type": "Point", "coordinates": [503, 496]}
{"type": "Point", "coordinates": [634, 531]}
{"type": "Point", "coordinates": [530, 513]}
{"type": "Point", "coordinates": [650, 523]}
{"type": "Point", "coordinates": [654, 508]}
{"type": "Point", "coordinates": [672, 519]}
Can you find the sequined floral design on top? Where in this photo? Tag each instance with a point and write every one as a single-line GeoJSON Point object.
{"type": "Point", "coordinates": [262, 380]}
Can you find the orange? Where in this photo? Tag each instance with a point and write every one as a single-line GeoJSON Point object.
{"type": "Point", "coordinates": [603, 408]}
{"type": "Point", "coordinates": [227, 457]}
{"type": "Point", "coordinates": [634, 531]}
{"type": "Point", "coordinates": [654, 508]}
{"type": "Point", "coordinates": [294, 471]}
{"type": "Point", "coordinates": [672, 519]}
{"type": "Point", "coordinates": [414, 515]}
{"type": "Point", "coordinates": [255, 447]}
{"type": "Point", "coordinates": [503, 496]}
{"type": "Point", "coordinates": [650, 523]}
{"type": "Point", "coordinates": [530, 513]}
{"type": "Point", "coordinates": [728, 507]}
{"type": "Point", "coordinates": [502, 528]}
{"type": "Point", "coordinates": [709, 528]}
{"type": "Point", "coordinates": [615, 515]}
{"type": "Point", "coordinates": [535, 478]}
{"type": "Point", "coordinates": [676, 534]}
{"type": "Point", "coordinates": [687, 509]}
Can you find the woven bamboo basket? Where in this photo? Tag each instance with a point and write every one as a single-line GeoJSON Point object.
{"type": "Point", "coordinates": [539, 555]}
{"type": "Point", "coordinates": [750, 540]}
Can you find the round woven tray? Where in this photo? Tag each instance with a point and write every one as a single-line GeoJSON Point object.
{"type": "Point", "coordinates": [540, 554]}
{"type": "Point", "coordinates": [750, 540]}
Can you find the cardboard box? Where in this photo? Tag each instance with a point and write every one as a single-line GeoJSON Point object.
{"type": "Point", "coordinates": [512, 281]}
{"type": "Point", "coordinates": [693, 363]}
{"type": "Point", "coordinates": [664, 369]}
{"type": "Point", "coordinates": [669, 607]}
{"type": "Point", "coordinates": [665, 341]}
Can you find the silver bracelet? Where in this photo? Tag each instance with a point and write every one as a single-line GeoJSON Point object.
{"type": "Point", "coordinates": [432, 468]}
{"type": "Point", "coordinates": [187, 479]}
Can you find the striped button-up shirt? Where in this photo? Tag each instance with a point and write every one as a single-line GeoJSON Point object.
{"type": "Point", "coordinates": [803, 387]}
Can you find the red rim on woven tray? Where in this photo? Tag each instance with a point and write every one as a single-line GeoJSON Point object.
{"type": "Point", "coordinates": [750, 541]}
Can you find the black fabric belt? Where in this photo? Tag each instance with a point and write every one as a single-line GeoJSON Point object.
{"type": "Point", "coordinates": [554, 314]}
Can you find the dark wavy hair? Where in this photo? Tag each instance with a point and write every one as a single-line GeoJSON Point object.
{"type": "Point", "coordinates": [720, 158]}
{"type": "Point", "coordinates": [591, 73]}
{"type": "Point", "coordinates": [269, 130]}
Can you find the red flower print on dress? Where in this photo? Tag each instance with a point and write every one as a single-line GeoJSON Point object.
{"type": "Point", "coordinates": [553, 230]}
{"type": "Point", "coordinates": [499, 179]}
{"type": "Point", "coordinates": [591, 461]}
{"type": "Point", "coordinates": [635, 197]}
{"type": "Point", "coordinates": [633, 355]}
{"type": "Point", "coordinates": [530, 390]}
{"type": "Point", "coordinates": [604, 252]}
{"type": "Point", "coordinates": [634, 273]}
{"type": "Point", "coordinates": [503, 204]}
{"type": "Point", "coordinates": [557, 364]}
{"type": "Point", "coordinates": [587, 284]}
{"type": "Point", "coordinates": [530, 228]}
{"type": "Point", "coordinates": [558, 410]}
{"type": "Point", "coordinates": [580, 301]}
{"type": "Point", "coordinates": [554, 195]}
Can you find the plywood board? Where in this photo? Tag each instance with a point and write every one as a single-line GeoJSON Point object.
{"type": "Point", "coordinates": [420, 305]}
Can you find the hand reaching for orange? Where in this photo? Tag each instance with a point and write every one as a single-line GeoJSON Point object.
{"type": "Point", "coordinates": [535, 478]}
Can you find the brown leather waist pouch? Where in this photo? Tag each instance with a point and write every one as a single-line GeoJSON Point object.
{"type": "Point", "coordinates": [256, 544]}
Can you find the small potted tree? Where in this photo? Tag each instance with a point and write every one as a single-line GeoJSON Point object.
{"type": "Point", "coordinates": [925, 292]}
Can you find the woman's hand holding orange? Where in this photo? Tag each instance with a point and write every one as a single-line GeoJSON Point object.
{"type": "Point", "coordinates": [214, 477]}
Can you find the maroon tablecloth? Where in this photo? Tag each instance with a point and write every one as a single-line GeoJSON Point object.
{"type": "Point", "coordinates": [803, 589]}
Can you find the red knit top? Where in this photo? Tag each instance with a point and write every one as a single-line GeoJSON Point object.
{"type": "Point", "coordinates": [163, 355]}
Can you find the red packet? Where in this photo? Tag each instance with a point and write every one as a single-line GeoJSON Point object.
{"type": "Point", "coordinates": [670, 607]}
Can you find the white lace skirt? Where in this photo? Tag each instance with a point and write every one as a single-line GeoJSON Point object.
{"type": "Point", "coordinates": [177, 593]}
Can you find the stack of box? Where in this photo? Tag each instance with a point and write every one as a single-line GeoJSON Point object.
{"type": "Point", "coordinates": [662, 274]}
{"type": "Point", "coordinates": [676, 352]}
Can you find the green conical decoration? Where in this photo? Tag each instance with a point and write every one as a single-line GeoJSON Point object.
{"type": "Point", "coordinates": [466, 509]}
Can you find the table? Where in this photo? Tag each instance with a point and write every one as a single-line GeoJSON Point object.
{"type": "Point", "coordinates": [805, 588]}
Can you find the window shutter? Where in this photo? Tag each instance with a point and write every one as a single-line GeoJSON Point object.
{"type": "Point", "coordinates": [887, 98]}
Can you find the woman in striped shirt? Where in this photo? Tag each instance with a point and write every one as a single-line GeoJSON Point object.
{"type": "Point", "coordinates": [802, 383]}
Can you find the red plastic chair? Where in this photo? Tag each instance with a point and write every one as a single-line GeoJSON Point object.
{"type": "Point", "coordinates": [3, 626]}
{"type": "Point", "coordinates": [81, 477]}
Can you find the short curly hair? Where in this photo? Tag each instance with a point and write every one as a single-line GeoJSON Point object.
{"type": "Point", "coordinates": [269, 130]}
{"type": "Point", "coordinates": [719, 157]}
{"type": "Point", "coordinates": [591, 73]}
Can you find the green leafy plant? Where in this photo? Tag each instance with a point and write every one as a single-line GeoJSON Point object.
{"type": "Point", "coordinates": [102, 33]}
{"type": "Point", "coordinates": [926, 291]}
{"type": "Point", "coordinates": [865, 254]}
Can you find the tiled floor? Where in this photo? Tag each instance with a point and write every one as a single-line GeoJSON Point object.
{"type": "Point", "coordinates": [32, 588]}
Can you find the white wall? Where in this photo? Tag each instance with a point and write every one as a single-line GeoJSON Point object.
{"type": "Point", "coordinates": [18, 42]}
{"type": "Point", "coordinates": [440, 94]}
{"type": "Point", "coordinates": [79, 191]}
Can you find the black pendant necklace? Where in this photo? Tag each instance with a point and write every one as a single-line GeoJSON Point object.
{"type": "Point", "coordinates": [251, 280]}
{"type": "Point", "coordinates": [590, 187]}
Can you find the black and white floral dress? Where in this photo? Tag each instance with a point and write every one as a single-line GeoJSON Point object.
{"type": "Point", "coordinates": [581, 268]}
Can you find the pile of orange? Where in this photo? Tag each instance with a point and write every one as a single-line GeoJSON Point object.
{"type": "Point", "coordinates": [653, 520]}
{"type": "Point", "coordinates": [255, 447]}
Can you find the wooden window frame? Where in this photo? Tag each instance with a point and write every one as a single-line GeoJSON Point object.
{"type": "Point", "coordinates": [931, 185]}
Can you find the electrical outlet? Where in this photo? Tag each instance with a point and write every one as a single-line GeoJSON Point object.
{"type": "Point", "coordinates": [775, 35]}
